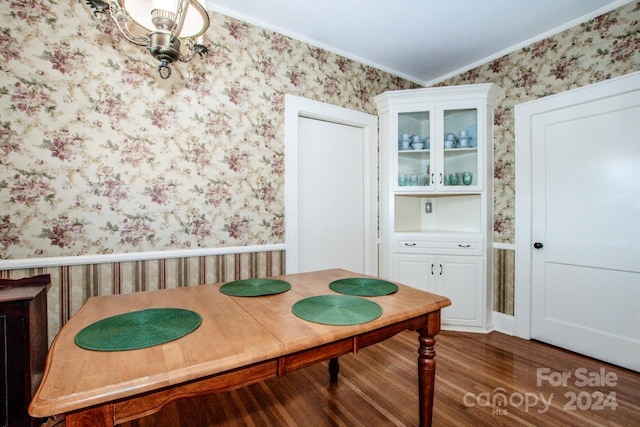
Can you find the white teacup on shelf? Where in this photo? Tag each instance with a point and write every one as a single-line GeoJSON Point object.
{"type": "Point", "coordinates": [464, 141]}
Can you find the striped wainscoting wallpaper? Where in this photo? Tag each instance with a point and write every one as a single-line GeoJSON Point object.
{"type": "Point", "coordinates": [72, 285]}
{"type": "Point", "coordinates": [504, 261]}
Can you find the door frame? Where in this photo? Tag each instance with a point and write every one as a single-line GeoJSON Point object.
{"type": "Point", "coordinates": [524, 114]}
{"type": "Point", "coordinates": [296, 107]}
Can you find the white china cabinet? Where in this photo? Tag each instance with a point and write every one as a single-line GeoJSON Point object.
{"type": "Point", "coordinates": [436, 147]}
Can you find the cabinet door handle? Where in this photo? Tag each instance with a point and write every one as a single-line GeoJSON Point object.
{"type": "Point", "coordinates": [432, 269]}
{"type": "Point", "coordinates": [440, 178]}
{"type": "Point", "coordinates": [432, 181]}
{"type": "Point", "coordinates": [441, 269]}
{"type": "Point", "coordinates": [409, 244]}
{"type": "Point", "coordinates": [463, 246]}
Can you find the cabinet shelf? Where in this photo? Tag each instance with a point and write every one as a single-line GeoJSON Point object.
{"type": "Point", "coordinates": [412, 151]}
{"type": "Point", "coordinates": [447, 150]}
{"type": "Point", "coordinates": [461, 150]}
{"type": "Point", "coordinates": [451, 213]}
{"type": "Point", "coordinates": [421, 190]}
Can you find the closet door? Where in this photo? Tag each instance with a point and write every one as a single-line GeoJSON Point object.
{"type": "Point", "coordinates": [331, 191]}
{"type": "Point", "coordinates": [586, 226]}
{"type": "Point", "coordinates": [330, 198]}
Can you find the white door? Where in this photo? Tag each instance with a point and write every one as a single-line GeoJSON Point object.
{"type": "Point", "coordinates": [331, 195]}
{"type": "Point", "coordinates": [586, 227]}
{"type": "Point", "coordinates": [331, 227]}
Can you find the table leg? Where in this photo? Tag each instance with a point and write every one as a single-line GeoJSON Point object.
{"type": "Point", "coordinates": [427, 367]}
{"type": "Point", "coordinates": [334, 369]}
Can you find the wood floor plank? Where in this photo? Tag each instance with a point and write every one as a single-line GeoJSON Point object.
{"type": "Point", "coordinates": [378, 387]}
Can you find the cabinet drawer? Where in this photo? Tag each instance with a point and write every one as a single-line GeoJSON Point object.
{"type": "Point", "coordinates": [470, 246]}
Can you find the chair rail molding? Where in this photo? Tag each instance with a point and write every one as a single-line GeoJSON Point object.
{"type": "Point", "coordinates": [13, 264]}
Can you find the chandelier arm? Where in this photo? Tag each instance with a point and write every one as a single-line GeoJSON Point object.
{"type": "Point", "coordinates": [139, 40]}
{"type": "Point", "coordinates": [194, 47]}
{"type": "Point", "coordinates": [188, 57]}
{"type": "Point", "coordinates": [190, 51]}
{"type": "Point", "coordinates": [121, 18]}
{"type": "Point", "coordinates": [180, 16]}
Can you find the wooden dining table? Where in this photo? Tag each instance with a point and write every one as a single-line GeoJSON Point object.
{"type": "Point", "coordinates": [241, 340]}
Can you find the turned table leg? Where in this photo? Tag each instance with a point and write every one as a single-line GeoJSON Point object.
{"type": "Point", "coordinates": [334, 369]}
{"type": "Point", "coordinates": [427, 367]}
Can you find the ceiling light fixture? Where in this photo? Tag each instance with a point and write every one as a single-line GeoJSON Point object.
{"type": "Point", "coordinates": [171, 29]}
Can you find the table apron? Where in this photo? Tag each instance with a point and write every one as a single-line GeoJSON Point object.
{"type": "Point", "coordinates": [135, 407]}
{"type": "Point", "coordinates": [150, 403]}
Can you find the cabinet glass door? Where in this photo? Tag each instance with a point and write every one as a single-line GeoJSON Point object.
{"type": "Point", "coordinates": [460, 147]}
{"type": "Point", "coordinates": [414, 149]}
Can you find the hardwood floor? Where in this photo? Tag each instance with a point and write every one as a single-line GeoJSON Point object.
{"type": "Point", "coordinates": [378, 387]}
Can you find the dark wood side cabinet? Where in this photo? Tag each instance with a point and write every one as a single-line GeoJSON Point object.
{"type": "Point", "coordinates": [23, 346]}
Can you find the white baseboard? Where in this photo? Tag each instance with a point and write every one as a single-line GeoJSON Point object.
{"type": "Point", "coordinates": [459, 328]}
{"type": "Point", "coordinates": [504, 323]}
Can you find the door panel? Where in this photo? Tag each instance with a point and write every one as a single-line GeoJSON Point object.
{"type": "Point", "coordinates": [603, 287]}
{"type": "Point", "coordinates": [586, 213]}
{"type": "Point", "coordinates": [415, 271]}
{"type": "Point", "coordinates": [330, 196]}
{"type": "Point", "coordinates": [460, 279]}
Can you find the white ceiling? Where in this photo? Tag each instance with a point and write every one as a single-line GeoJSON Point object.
{"type": "Point", "coordinates": [425, 41]}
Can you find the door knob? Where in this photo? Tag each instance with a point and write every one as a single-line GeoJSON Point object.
{"type": "Point", "coordinates": [538, 245]}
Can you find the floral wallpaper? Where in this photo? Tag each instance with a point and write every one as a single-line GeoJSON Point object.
{"type": "Point", "coordinates": [100, 155]}
{"type": "Point", "coordinates": [605, 47]}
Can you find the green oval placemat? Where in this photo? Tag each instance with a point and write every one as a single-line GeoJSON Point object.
{"type": "Point", "coordinates": [138, 329]}
{"type": "Point", "coordinates": [337, 309]}
{"type": "Point", "coordinates": [255, 287]}
{"type": "Point", "coordinates": [363, 287]}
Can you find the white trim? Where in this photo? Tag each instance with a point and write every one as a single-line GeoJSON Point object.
{"type": "Point", "coordinates": [296, 107]}
{"type": "Point", "coordinates": [504, 323]}
{"type": "Point", "coordinates": [464, 328]}
{"type": "Point", "coordinates": [523, 117]}
{"type": "Point", "coordinates": [308, 40]}
{"type": "Point", "coordinates": [522, 285]}
{"type": "Point", "coordinates": [575, 22]}
{"type": "Point", "coordinates": [14, 264]}
{"type": "Point", "coordinates": [415, 79]}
